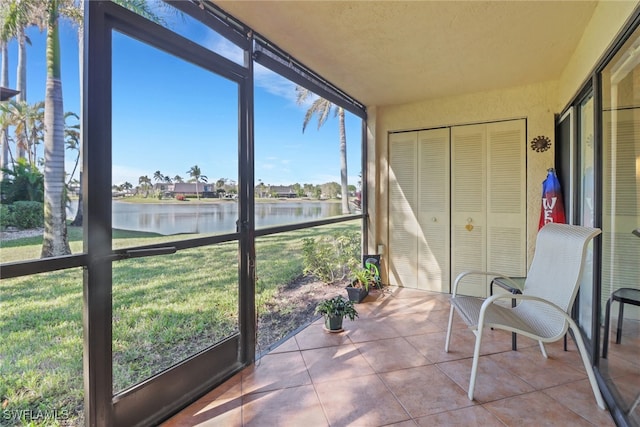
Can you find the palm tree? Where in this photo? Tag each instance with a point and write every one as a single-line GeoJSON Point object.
{"type": "Point", "coordinates": [72, 141]}
{"type": "Point", "coordinates": [19, 15]}
{"type": "Point", "coordinates": [196, 175]}
{"type": "Point", "coordinates": [76, 13]}
{"type": "Point", "coordinates": [55, 242]}
{"type": "Point", "coordinates": [145, 182]}
{"type": "Point", "coordinates": [29, 127]}
{"type": "Point", "coordinates": [158, 176]}
{"type": "Point", "coordinates": [178, 178]}
{"type": "Point", "coordinates": [323, 108]}
{"type": "Point", "coordinates": [4, 82]}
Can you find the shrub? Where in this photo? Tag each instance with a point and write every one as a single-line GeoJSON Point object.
{"type": "Point", "coordinates": [329, 258]}
{"type": "Point", "coordinates": [28, 214]}
{"type": "Point", "coordinates": [6, 216]}
{"type": "Point", "coordinates": [23, 182]}
{"type": "Point", "coordinates": [180, 197]}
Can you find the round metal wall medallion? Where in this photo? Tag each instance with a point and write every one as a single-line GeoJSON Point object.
{"type": "Point", "coordinates": [540, 143]}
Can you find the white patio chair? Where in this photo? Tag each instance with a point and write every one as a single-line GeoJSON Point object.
{"type": "Point", "coordinates": [544, 308]}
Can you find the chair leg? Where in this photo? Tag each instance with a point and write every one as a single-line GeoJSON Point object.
{"type": "Point", "coordinates": [605, 339]}
{"type": "Point", "coordinates": [620, 317]}
{"type": "Point", "coordinates": [474, 367]}
{"type": "Point", "coordinates": [587, 364]}
{"type": "Point", "coordinates": [448, 339]}
{"type": "Point", "coordinates": [543, 350]}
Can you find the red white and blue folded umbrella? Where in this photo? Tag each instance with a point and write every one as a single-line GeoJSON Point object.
{"type": "Point", "coordinates": [552, 204]}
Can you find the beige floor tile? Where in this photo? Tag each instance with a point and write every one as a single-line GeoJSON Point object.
{"type": "Point", "coordinates": [289, 407]}
{"type": "Point", "coordinates": [492, 381]}
{"type": "Point", "coordinates": [578, 397]}
{"type": "Point", "coordinates": [369, 307]}
{"type": "Point", "coordinates": [391, 306]}
{"type": "Point", "coordinates": [370, 329]}
{"type": "Point", "coordinates": [275, 371]}
{"type": "Point", "coordinates": [571, 357]}
{"type": "Point", "coordinates": [431, 346]}
{"type": "Point", "coordinates": [536, 370]}
{"type": "Point", "coordinates": [398, 292]}
{"type": "Point", "coordinates": [391, 354]}
{"type": "Point", "coordinates": [425, 390]}
{"type": "Point", "coordinates": [411, 324]}
{"type": "Point", "coordinates": [362, 401]}
{"type": "Point", "coordinates": [315, 336]}
{"type": "Point", "coordinates": [474, 416]}
{"type": "Point", "coordinates": [441, 317]}
{"type": "Point", "coordinates": [408, 423]}
{"type": "Point", "coordinates": [335, 363]}
{"type": "Point", "coordinates": [286, 346]}
{"type": "Point", "coordinates": [536, 410]}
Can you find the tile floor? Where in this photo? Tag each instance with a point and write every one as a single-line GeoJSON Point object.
{"type": "Point", "coordinates": [389, 368]}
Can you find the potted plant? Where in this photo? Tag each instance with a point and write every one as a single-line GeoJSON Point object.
{"type": "Point", "coordinates": [334, 310]}
{"type": "Point", "coordinates": [358, 289]}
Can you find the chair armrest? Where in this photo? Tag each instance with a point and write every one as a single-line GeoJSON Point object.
{"type": "Point", "coordinates": [474, 272]}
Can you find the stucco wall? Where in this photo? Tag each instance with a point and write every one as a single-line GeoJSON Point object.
{"type": "Point", "coordinates": [607, 21]}
{"type": "Point", "coordinates": [536, 103]}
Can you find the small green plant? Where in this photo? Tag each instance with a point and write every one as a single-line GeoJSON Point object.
{"type": "Point", "coordinates": [337, 306]}
{"type": "Point", "coordinates": [362, 278]}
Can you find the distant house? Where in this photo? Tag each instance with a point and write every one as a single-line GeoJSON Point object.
{"type": "Point", "coordinates": [187, 188]}
{"type": "Point", "coordinates": [282, 191]}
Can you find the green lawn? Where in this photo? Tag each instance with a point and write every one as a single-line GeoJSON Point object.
{"type": "Point", "coordinates": [165, 308]}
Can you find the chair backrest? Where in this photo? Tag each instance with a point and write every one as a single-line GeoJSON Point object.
{"type": "Point", "coordinates": [557, 266]}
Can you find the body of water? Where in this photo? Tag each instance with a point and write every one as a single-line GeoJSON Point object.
{"type": "Point", "coordinates": [212, 218]}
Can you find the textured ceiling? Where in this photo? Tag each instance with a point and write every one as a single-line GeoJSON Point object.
{"type": "Point", "coordinates": [394, 52]}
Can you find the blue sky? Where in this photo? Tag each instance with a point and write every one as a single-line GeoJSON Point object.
{"type": "Point", "coordinates": [170, 115]}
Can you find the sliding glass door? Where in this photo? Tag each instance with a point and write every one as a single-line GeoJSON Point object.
{"type": "Point", "coordinates": [167, 129]}
{"type": "Point", "coordinates": [620, 222]}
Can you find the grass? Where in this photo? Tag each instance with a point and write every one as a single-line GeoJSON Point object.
{"type": "Point", "coordinates": [165, 308]}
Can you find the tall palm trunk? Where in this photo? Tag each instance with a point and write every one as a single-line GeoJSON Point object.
{"type": "Point", "coordinates": [55, 241]}
{"type": "Point", "coordinates": [79, 218]}
{"type": "Point", "coordinates": [21, 80]}
{"type": "Point", "coordinates": [4, 133]}
{"type": "Point", "coordinates": [343, 162]}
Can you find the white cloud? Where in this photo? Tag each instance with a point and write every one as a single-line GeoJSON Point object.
{"type": "Point", "coordinates": [224, 47]}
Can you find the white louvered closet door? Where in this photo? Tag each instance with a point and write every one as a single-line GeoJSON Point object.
{"type": "Point", "coordinates": [468, 205]}
{"type": "Point", "coordinates": [506, 198]}
{"type": "Point", "coordinates": [433, 210]}
{"type": "Point", "coordinates": [403, 224]}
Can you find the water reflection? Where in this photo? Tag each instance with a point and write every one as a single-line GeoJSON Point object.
{"type": "Point", "coordinates": [220, 217]}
